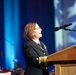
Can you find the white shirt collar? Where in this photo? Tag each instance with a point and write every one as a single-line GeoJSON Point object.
{"type": "Point", "coordinates": [38, 42]}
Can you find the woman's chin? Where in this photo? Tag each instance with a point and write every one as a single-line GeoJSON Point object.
{"type": "Point", "coordinates": [40, 35]}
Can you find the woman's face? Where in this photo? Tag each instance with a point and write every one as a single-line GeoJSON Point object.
{"type": "Point", "coordinates": [37, 32]}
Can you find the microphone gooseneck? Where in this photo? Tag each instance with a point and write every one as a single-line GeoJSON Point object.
{"type": "Point", "coordinates": [62, 27]}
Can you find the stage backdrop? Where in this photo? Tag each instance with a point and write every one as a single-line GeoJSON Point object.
{"type": "Point", "coordinates": [14, 15]}
{"type": "Point", "coordinates": [65, 14]}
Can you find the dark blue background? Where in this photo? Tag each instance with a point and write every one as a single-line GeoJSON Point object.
{"type": "Point", "coordinates": [40, 11]}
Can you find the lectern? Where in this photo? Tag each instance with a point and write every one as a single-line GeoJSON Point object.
{"type": "Point", "coordinates": [64, 61]}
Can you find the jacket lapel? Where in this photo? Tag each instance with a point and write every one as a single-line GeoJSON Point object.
{"type": "Point", "coordinates": [36, 45]}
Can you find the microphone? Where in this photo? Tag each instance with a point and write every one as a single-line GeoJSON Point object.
{"type": "Point", "coordinates": [62, 27]}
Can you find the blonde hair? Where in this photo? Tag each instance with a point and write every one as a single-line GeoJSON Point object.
{"type": "Point", "coordinates": [28, 30]}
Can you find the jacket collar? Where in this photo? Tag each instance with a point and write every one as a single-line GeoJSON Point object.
{"type": "Point", "coordinates": [36, 45]}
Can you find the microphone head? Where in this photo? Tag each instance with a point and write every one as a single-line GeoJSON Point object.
{"type": "Point", "coordinates": [70, 24]}
{"type": "Point", "coordinates": [56, 29]}
{"type": "Point", "coordinates": [62, 27]}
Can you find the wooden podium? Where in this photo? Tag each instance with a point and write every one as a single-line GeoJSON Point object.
{"type": "Point", "coordinates": [64, 61]}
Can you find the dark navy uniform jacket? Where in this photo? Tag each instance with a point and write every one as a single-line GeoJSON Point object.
{"type": "Point", "coordinates": [31, 52]}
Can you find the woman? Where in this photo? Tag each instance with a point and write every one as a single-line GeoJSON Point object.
{"type": "Point", "coordinates": [34, 51]}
